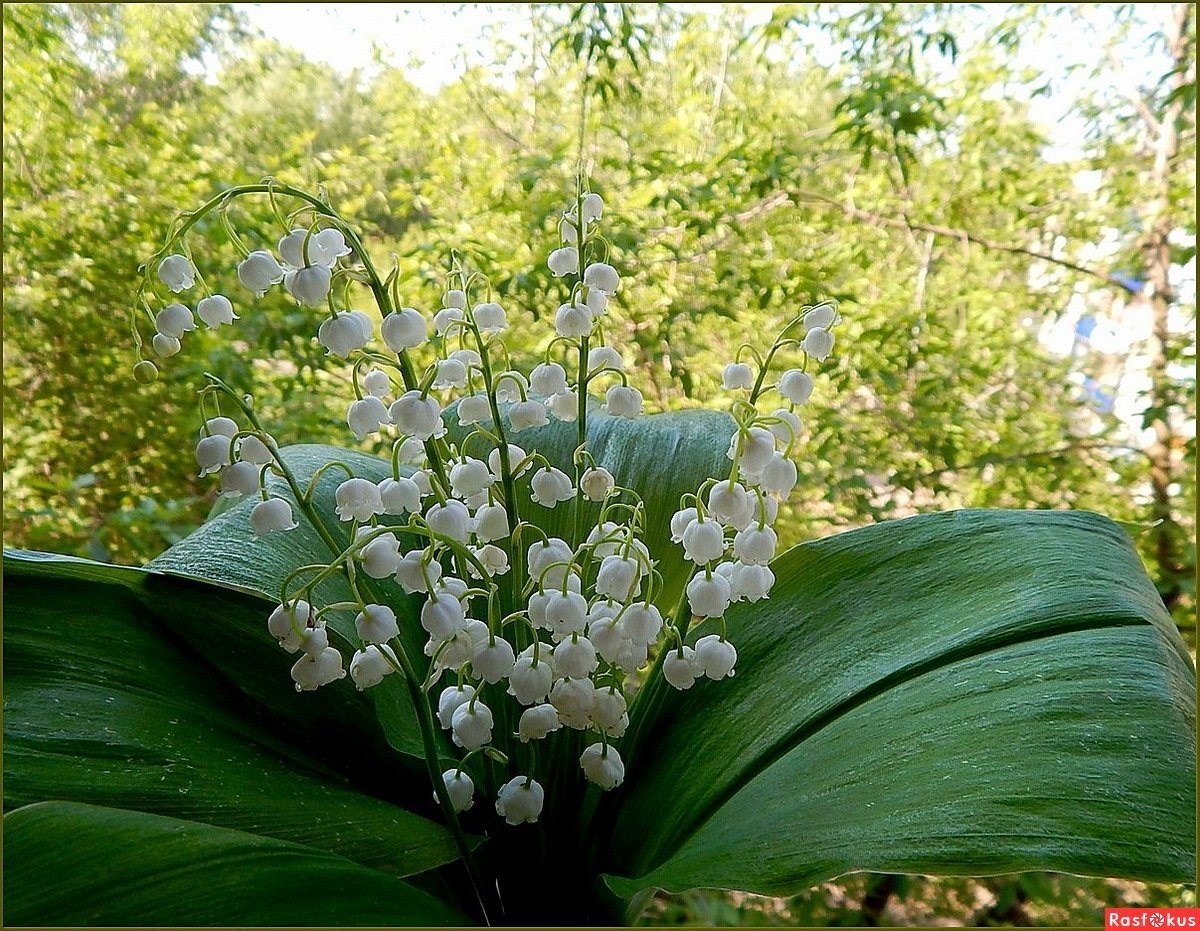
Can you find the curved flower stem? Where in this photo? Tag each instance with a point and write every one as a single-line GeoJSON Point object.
{"type": "Point", "coordinates": [418, 698]}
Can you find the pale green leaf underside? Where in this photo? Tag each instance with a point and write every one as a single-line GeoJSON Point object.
{"type": "Point", "coordinates": [962, 693]}
{"type": "Point", "coordinates": [71, 864]}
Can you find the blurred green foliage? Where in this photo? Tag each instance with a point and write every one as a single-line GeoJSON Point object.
{"type": "Point", "coordinates": [748, 167]}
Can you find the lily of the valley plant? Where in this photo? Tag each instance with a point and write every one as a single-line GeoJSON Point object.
{"type": "Point", "coordinates": [547, 654]}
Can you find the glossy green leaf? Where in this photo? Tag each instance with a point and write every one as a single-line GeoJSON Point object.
{"type": "Point", "coordinates": [962, 693]}
{"type": "Point", "coordinates": [72, 864]}
{"type": "Point", "coordinates": [225, 550]}
{"type": "Point", "coordinates": [104, 704]}
{"type": "Point", "coordinates": [660, 456]}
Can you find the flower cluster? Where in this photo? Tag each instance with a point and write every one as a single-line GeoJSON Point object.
{"type": "Point", "coordinates": [525, 635]}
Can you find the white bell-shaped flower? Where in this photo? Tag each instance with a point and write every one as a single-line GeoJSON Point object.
{"type": "Point", "coordinates": [779, 476]}
{"type": "Point", "coordinates": [468, 477]}
{"type": "Point", "coordinates": [574, 658]}
{"type": "Point", "coordinates": [602, 765]}
{"type": "Point", "coordinates": [370, 666]}
{"type": "Point", "coordinates": [573, 321]}
{"type": "Point", "coordinates": [751, 583]}
{"type": "Point", "coordinates": [491, 523]}
{"type": "Point", "coordinates": [527, 414]}
{"type": "Point", "coordinates": [679, 523]}
{"type": "Point", "coordinates": [602, 277]}
{"type": "Point", "coordinates": [290, 624]}
{"type": "Point", "coordinates": [608, 708]}
{"type": "Point", "coordinates": [450, 519]}
{"type": "Point", "coordinates": [714, 657]}
{"type": "Point", "coordinates": [381, 557]}
{"type": "Point", "coordinates": [165, 346]}
{"type": "Point", "coordinates": [474, 409]}
{"type": "Point", "coordinates": [708, 596]}
{"type": "Point", "coordinates": [341, 335]}
{"type": "Point", "coordinates": [271, 516]}
{"type": "Point", "coordinates": [623, 401]}
{"type": "Point", "coordinates": [564, 261]}
{"type": "Point", "coordinates": [544, 553]}
{"type": "Point", "coordinates": [310, 285]}
{"type": "Point", "coordinates": [548, 378]}
{"type": "Point", "coordinates": [366, 416]}
{"type": "Point", "coordinates": [448, 320]}
{"type": "Point", "coordinates": [788, 429]}
{"type": "Point", "coordinates": [258, 271]}
{"type": "Point", "coordinates": [460, 788]}
{"type": "Point", "coordinates": [176, 272]}
{"type": "Point", "coordinates": [731, 504]}
{"type": "Point", "coordinates": [537, 722]}
{"type": "Point", "coordinates": [417, 416]}
{"type": "Point", "coordinates": [737, 376]}
{"type": "Point", "coordinates": [641, 623]}
{"type": "Point", "coordinates": [618, 577]}
{"type": "Point", "coordinates": [377, 384]}
{"type": "Point", "coordinates": [605, 539]}
{"type": "Point", "coordinates": [572, 699]}
{"type": "Point", "coordinates": [564, 406]}
{"type": "Point", "coordinates": [758, 446]}
{"type": "Point", "coordinates": [597, 483]}
{"type": "Point", "coordinates": [311, 672]}
{"type": "Point", "coordinates": [509, 386]}
{"type": "Point", "coordinates": [755, 545]}
{"type": "Point", "coordinates": [174, 320]}
{"type": "Point", "coordinates": [449, 373]}
{"type": "Point", "coordinates": [796, 386]}
{"type": "Point", "coordinates": [490, 318]}
{"type": "Point", "coordinates": [215, 311]}
{"type": "Point", "coordinates": [471, 725]}
{"type": "Point", "coordinates": [597, 302]}
{"type": "Point", "coordinates": [376, 624]}
{"type": "Point", "coordinates": [530, 682]}
{"type": "Point", "coordinates": [493, 661]}
{"type": "Point", "coordinates": [679, 670]}
{"type": "Point", "coordinates": [225, 426]}
{"type": "Point", "coordinates": [493, 559]}
{"type": "Point", "coordinates": [703, 542]}
{"type": "Point", "coordinates": [357, 499]}
{"type": "Point", "coordinates": [239, 479]}
{"type": "Point", "coordinates": [213, 453]}
{"type": "Point", "coordinates": [404, 329]}
{"type": "Point", "coordinates": [564, 613]}
{"type": "Point", "coordinates": [456, 298]}
{"type": "Point", "coordinates": [293, 252]}
{"type": "Point", "coordinates": [450, 700]}
{"type": "Point", "coordinates": [520, 800]}
{"type": "Point", "coordinates": [818, 343]}
{"type": "Point", "coordinates": [255, 449]}
{"type": "Point", "coordinates": [415, 574]}
{"type": "Point", "coordinates": [550, 487]}
{"type": "Point", "coordinates": [442, 616]}
{"type": "Point", "coordinates": [399, 496]}
{"type": "Point", "coordinates": [605, 634]}
{"type": "Point", "coordinates": [823, 316]}
{"type": "Point", "coordinates": [593, 206]}
{"type": "Point", "coordinates": [604, 357]}
{"type": "Point", "coordinates": [331, 244]}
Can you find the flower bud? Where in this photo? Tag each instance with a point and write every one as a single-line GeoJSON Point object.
{"type": "Point", "coordinates": [145, 371]}
{"type": "Point", "coordinates": [822, 316]}
{"type": "Point", "coordinates": [165, 346]}
{"type": "Point", "coordinates": [593, 206]}
{"type": "Point", "coordinates": [377, 384]}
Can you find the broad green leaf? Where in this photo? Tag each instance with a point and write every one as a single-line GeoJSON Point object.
{"type": "Point", "coordinates": [72, 864]}
{"type": "Point", "coordinates": [225, 550]}
{"type": "Point", "coordinates": [963, 693]}
{"type": "Point", "coordinates": [104, 704]}
{"type": "Point", "coordinates": [660, 456]}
